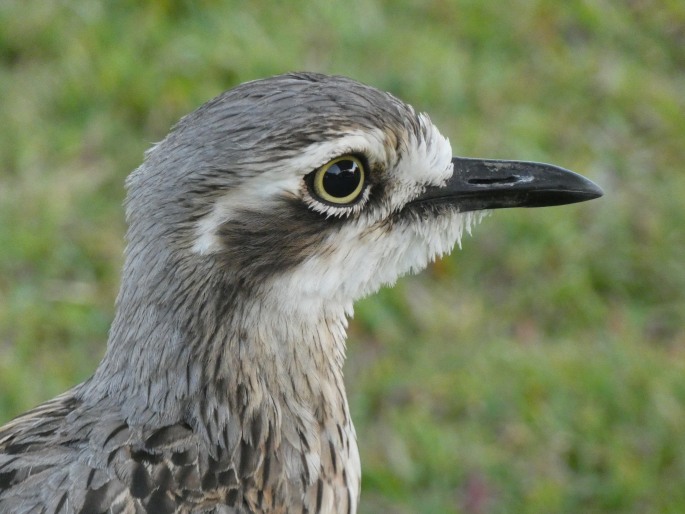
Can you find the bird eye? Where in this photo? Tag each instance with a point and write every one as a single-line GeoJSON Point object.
{"type": "Point", "coordinates": [340, 181]}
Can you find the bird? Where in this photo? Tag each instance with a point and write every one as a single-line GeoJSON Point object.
{"type": "Point", "coordinates": [253, 226]}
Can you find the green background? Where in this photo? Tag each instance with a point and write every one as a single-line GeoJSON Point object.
{"type": "Point", "coordinates": [539, 369]}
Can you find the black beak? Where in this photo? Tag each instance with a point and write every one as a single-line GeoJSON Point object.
{"type": "Point", "coordinates": [490, 184]}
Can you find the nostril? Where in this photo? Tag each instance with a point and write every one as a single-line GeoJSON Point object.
{"type": "Point", "coordinates": [493, 180]}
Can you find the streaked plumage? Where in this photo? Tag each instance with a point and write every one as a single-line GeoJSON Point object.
{"type": "Point", "coordinates": [222, 386]}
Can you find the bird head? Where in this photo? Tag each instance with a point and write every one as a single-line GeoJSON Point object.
{"type": "Point", "coordinates": [259, 220]}
{"type": "Point", "coordinates": [318, 189]}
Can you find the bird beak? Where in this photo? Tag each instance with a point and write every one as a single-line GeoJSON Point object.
{"type": "Point", "coordinates": [491, 184]}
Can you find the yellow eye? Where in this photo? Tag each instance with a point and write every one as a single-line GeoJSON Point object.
{"type": "Point", "coordinates": [340, 181]}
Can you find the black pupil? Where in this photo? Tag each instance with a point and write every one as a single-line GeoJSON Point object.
{"type": "Point", "coordinates": [342, 178]}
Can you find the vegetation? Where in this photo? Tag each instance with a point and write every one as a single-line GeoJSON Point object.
{"type": "Point", "coordinates": [539, 369]}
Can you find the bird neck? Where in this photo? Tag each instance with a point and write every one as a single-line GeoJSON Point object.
{"type": "Point", "coordinates": [199, 346]}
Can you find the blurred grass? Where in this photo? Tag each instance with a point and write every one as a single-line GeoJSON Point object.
{"type": "Point", "coordinates": [540, 369]}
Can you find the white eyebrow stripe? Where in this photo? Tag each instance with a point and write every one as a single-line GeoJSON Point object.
{"type": "Point", "coordinates": [285, 179]}
{"type": "Point", "coordinates": [424, 161]}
